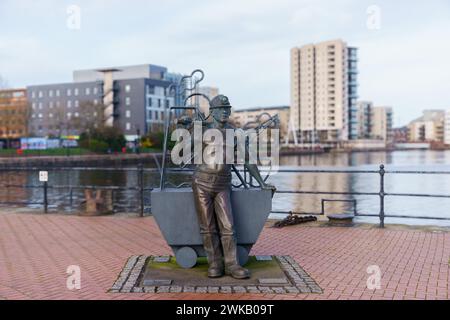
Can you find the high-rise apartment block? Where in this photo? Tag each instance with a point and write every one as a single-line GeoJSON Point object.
{"type": "Point", "coordinates": [364, 116]}
{"type": "Point", "coordinates": [210, 92]}
{"type": "Point", "coordinates": [324, 91]}
{"type": "Point", "coordinates": [381, 124]}
{"type": "Point", "coordinates": [374, 122]}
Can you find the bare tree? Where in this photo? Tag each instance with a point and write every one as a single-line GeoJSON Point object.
{"type": "Point", "coordinates": [88, 117]}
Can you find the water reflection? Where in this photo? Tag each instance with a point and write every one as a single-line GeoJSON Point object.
{"type": "Point", "coordinates": [70, 201]}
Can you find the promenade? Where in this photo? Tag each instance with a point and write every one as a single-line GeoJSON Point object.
{"type": "Point", "coordinates": [36, 250]}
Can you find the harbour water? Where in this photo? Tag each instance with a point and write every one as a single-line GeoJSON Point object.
{"type": "Point", "coordinates": [420, 160]}
{"type": "Point", "coordinates": [424, 160]}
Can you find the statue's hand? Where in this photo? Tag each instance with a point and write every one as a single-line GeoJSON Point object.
{"type": "Point", "coordinates": [267, 186]}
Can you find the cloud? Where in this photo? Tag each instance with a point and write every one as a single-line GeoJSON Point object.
{"type": "Point", "coordinates": [243, 46]}
{"type": "Point", "coordinates": [407, 70]}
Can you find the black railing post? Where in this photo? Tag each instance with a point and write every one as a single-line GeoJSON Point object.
{"type": "Point", "coordinates": [45, 197]}
{"type": "Point", "coordinates": [141, 187]}
{"type": "Point", "coordinates": [71, 197]}
{"type": "Point", "coordinates": [382, 195]}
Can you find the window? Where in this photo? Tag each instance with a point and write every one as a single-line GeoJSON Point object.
{"type": "Point", "coordinates": [69, 115]}
{"type": "Point", "coordinates": [151, 89]}
{"type": "Point", "coordinates": [57, 93]}
{"type": "Point", "coordinates": [50, 104]}
{"type": "Point", "coordinates": [150, 100]}
{"type": "Point", "coordinates": [33, 105]}
{"type": "Point", "coordinates": [128, 126]}
{"type": "Point", "coordinates": [95, 102]}
{"type": "Point", "coordinates": [150, 114]}
{"type": "Point", "coordinates": [127, 101]}
{"type": "Point", "coordinates": [95, 90]}
{"type": "Point", "coordinates": [40, 94]}
{"type": "Point", "coordinates": [95, 113]}
{"type": "Point", "coordinates": [76, 114]}
{"type": "Point", "coordinates": [159, 103]}
{"type": "Point", "coordinates": [128, 114]}
{"type": "Point", "coordinates": [69, 92]}
{"type": "Point", "coordinates": [127, 88]}
{"type": "Point", "coordinates": [40, 105]}
{"type": "Point", "coordinates": [76, 91]}
{"type": "Point", "coordinates": [50, 93]}
{"type": "Point", "coordinates": [77, 103]}
{"type": "Point", "coordinates": [33, 94]}
{"type": "Point", "coordinates": [156, 115]}
{"type": "Point", "coordinates": [50, 115]}
{"type": "Point", "coordinates": [40, 115]}
{"type": "Point", "coordinates": [87, 91]}
{"type": "Point", "coordinates": [167, 103]}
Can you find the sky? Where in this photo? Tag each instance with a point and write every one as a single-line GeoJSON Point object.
{"type": "Point", "coordinates": [242, 45]}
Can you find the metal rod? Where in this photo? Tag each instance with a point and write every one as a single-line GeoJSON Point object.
{"type": "Point", "coordinates": [166, 134]}
{"type": "Point", "coordinates": [328, 192]}
{"type": "Point", "coordinates": [45, 197]}
{"type": "Point", "coordinates": [189, 170]}
{"type": "Point", "coordinates": [141, 188]}
{"type": "Point", "coordinates": [71, 197]}
{"type": "Point", "coordinates": [382, 196]}
{"type": "Point", "coordinates": [240, 177]}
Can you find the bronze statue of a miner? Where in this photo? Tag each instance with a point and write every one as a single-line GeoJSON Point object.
{"type": "Point", "coordinates": [212, 191]}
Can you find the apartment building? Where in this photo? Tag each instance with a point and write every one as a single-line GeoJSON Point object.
{"type": "Point", "coordinates": [324, 91]}
{"type": "Point", "coordinates": [242, 117]}
{"type": "Point", "coordinates": [13, 113]}
{"type": "Point", "coordinates": [447, 127]}
{"type": "Point", "coordinates": [131, 98]}
{"type": "Point", "coordinates": [364, 116]}
{"type": "Point", "coordinates": [374, 122]}
{"type": "Point", "coordinates": [429, 127]}
{"type": "Point", "coordinates": [381, 124]}
{"type": "Point", "coordinates": [210, 92]}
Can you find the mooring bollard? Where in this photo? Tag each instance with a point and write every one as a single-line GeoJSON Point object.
{"type": "Point", "coordinates": [98, 202]}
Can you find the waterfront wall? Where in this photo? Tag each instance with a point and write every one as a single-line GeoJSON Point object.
{"type": "Point", "coordinates": [79, 161]}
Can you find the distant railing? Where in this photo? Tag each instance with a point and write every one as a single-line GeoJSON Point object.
{"type": "Point", "coordinates": [141, 189]}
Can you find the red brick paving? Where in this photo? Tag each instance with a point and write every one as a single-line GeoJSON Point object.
{"type": "Point", "coordinates": [35, 251]}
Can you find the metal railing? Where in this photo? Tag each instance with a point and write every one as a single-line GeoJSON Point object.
{"type": "Point", "coordinates": [141, 189]}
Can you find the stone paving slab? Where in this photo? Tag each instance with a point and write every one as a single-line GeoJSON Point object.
{"type": "Point", "coordinates": [142, 271]}
{"type": "Point", "coordinates": [36, 251]}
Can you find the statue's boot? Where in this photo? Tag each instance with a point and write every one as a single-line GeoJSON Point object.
{"type": "Point", "coordinates": [211, 244]}
{"type": "Point", "coordinates": [232, 266]}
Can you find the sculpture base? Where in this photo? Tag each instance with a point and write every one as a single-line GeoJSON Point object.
{"type": "Point", "coordinates": [269, 274]}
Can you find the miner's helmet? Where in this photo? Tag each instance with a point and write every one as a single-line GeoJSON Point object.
{"type": "Point", "coordinates": [220, 101]}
